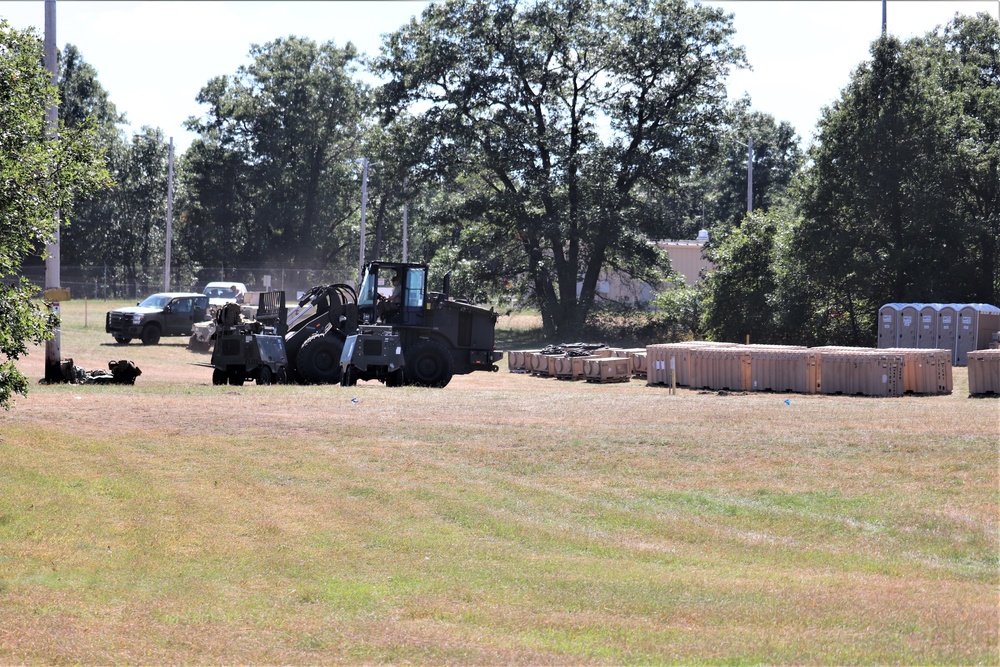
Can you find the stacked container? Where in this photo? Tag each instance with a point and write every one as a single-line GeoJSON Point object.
{"type": "Point", "coordinates": [776, 369]}
{"type": "Point", "coordinates": [861, 371]}
{"type": "Point", "coordinates": [607, 369]}
{"type": "Point", "coordinates": [984, 372]}
{"type": "Point", "coordinates": [720, 368]}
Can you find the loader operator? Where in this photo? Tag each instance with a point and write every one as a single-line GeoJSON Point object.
{"type": "Point", "coordinates": [390, 306]}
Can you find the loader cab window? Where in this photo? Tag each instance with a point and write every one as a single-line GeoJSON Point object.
{"type": "Point", "coordinates": [413, 294]}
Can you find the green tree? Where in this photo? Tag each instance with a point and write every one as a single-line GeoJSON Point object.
{"type": "Point", "coordinates": [573, 117]}
{"type": "Point", "coordinates": [901, 201]}
{"type": "Point", "coordinates": [273, 176]}
{"type": "Point", "coordinates": [741, 288]}
{"type": "Point", "coordinates": [39, 175]}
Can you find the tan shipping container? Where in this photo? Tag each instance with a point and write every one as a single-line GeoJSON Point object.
{"type": "Point", "coordinates": [517, 360]}
{"type": "Point", "coordinates": [984, 372]}
{"type": "Point", "coordinates": [925, 371]}
{"type": "Point", "coordinates": [720, 368]}
{"type": "Point", "coordinates": [607, 369]}
{"type": "Point", "coordinates": [861, 371]}
{"type": "Point", "coordinates": [570, 368]}
{"type": "Point", "coordinates": [796, 370]}
{"type": "Point", "coordinates": [660, 356]}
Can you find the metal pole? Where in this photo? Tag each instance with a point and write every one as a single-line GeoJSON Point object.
{"type": "Point", "coordinates": [53, 351]}
{"type": "Point", "coordinates": [170, 215]}
{"type": "Point", "coordinates": [883, 17]}
{"type": "Point", "coordinates": [406, 206]}
{"type": "Point", "coordinates": [750, 175]}
{"type": "Point", "coordinates": [364, 208]}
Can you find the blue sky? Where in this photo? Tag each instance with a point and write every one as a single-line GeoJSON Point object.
{"type": "Point", "coordinates": [153, 57]}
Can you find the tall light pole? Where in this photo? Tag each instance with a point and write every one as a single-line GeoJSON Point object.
{"type": "Point", "coordinates": [364, 210]}
{"type": "Point", "coordinates": [406, 206]}
{"type": "Point", "coordinates": [749, 146]}
{"type": "Point", "coordinates": [53, 353]}
{"type": "Point", "coordinates": [170, 215]}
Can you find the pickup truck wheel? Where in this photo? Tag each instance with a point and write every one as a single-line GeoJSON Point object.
{"type": "Point", "coordinates": [264, 375]}
{"type": "Point", "coordinates": [122, 340]}
{"type": "Point", "coordinates": [428, 364]}
{"type": "Point", "coordinates": [319, 359]}
{"type": "Point", "coordinates": [218, 376]}
{"type": "Point", "coordinates": [150, 334]}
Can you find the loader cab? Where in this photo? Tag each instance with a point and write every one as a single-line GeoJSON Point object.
{"type": "Point", "coordinates": [375, 295]}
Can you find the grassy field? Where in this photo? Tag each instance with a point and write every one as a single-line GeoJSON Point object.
{"type": "Point", "coordinates": [504, 519]}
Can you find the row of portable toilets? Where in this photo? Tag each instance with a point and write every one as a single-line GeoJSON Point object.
{"type": "Point", "coordinates": [961, 328]}
{"type": "Point", "coordinates": [735, 367]}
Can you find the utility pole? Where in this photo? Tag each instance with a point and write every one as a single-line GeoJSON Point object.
{"type": "Point", "coordinates": [170, 215]}
{"type": "Point", "coordinates": [883, 17]}
{"type": "Point", "coordinates": [364, 209]}
{"type": "Point", "coordinates": [53, 352]}
{"type": "Point", "coordinates": [406, 206]}
{"type": "Point", "coordinates": [749, 146]}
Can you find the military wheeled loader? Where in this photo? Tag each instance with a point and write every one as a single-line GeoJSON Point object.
{"type": "Point", "coordinates": [437, 336]}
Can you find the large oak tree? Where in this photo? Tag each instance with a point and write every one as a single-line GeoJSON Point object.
{"type": "Point", "coordinates": [571, 118]}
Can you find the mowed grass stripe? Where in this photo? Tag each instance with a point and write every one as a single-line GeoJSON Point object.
{"type": "Point", "coordinates": [503, 520]}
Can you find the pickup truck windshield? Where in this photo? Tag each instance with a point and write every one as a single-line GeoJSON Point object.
{"type": "Point", "coordinates": [155, 301]}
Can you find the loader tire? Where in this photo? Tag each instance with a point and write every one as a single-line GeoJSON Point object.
{"type": "Point", "coordinates": [319, 359]}
{"type": "Point", "coordinates": [428, 364]}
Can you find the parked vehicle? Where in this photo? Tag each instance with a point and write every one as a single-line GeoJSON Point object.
{"type": "Point", "coordinates": [162, 314]}
{"type": "Point", "coordinates": [437, 335]}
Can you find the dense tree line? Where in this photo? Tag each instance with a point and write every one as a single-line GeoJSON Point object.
{"type": "Point", "coordinates": [539, 144]}
{"type": "Point", "coordinates": [900, 201]}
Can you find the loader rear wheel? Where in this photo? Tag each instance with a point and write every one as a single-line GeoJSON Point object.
{"type": "Point", "coordinates": [428, 364]}
{"type": "Point", "coordinates": [218, 376]}
{"type": "Point", "coordinates": [264, 376]}
{"type": "Point", "coordinates": [349, 378]}
{"type": "Point", "coordinates": [319, 359]}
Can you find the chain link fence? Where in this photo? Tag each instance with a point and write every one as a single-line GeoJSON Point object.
{"type": "Point", "coordinates": [97, 282]}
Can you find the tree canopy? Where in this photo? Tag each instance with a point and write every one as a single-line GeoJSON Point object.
{"type": "Point", "coordinates": [901, 203]}
{"type": "Point", "coordinates": [39, 175]}
{"type": "Point", "coordinates": [273, 177]}
{"type": "Point", "coordinates": [572, 117]}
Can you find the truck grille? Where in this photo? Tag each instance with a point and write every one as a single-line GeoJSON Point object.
{"type": "Point", "coordinates": [118, 320]}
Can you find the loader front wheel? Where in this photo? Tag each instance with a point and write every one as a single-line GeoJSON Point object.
{"type": "Point", "coordinates": [319, 359]}
{"type": "Point", "coordinates": [428, 364]}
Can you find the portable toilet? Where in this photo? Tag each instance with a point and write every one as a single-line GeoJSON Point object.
{"type": "Point", "coordinates": [888, 321]}
{"type": "Point", "coordinates": [927, 326]}
{"type": "Point", "coordinates": [970, 318]}
{"type": "Point", "coordinates": [907, 327]}
{"type": "Point", "coordinates": [947, 332]}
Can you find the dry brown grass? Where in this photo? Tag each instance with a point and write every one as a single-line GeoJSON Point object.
{"type": "Point", "coordinates": [503, 520]}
